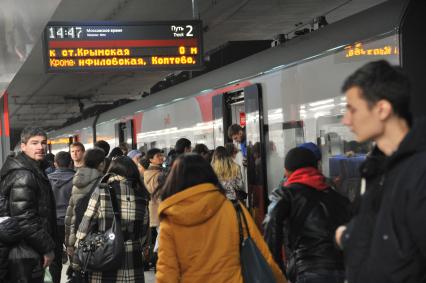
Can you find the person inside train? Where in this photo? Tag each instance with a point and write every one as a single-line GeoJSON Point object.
{"type": "Point", "coordinates": [237, 134]}
{"type": "Point", "coordinates": [228, 173]}
{"type": "Point", "coordinates": [202, 150]}
{"type": "Point", "coordinates": [151, 175]}
{"type": "Point", "coordinates": [199, 236]}
{"type": "Point", "coordinates": [302, 215]}
{"type": "Point", "coordinates": [77, 150]}
{"type": "Point", "coordinates": [61, 181]}
{"type": "Point", "coordinates": [84, 182]}
{"type": "Point", "coordinates": [385, 241]}
{"type": "Point", "coordinates": [132, 201]}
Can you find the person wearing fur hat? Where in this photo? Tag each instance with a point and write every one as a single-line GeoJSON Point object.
{"type": "Point", "coordinates": [303, 213]}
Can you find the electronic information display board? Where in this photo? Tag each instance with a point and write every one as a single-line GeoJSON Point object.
{"type": "Point", "coordinates": [121, 46]}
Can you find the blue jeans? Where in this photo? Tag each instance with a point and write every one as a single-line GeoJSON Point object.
{"type": "Point", "coordinates": [323, 277]}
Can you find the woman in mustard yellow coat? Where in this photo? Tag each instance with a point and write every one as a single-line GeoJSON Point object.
{"type": "Point", "coordinates": [199, 236]}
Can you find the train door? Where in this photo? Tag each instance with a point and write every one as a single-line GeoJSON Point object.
{"type": "Point", "coordinates": [124, 133]}
{"type": "Point", "coordinates": [244, 107]}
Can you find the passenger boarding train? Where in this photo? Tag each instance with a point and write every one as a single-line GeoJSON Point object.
{"type": "Point", "coordinates": [283, 96]}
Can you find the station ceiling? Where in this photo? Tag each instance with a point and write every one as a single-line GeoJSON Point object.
{"type": "Point", "coordinates": [49, 100]}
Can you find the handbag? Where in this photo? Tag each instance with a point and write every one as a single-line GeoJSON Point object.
{"type": "Point", "coordinates": [103, 251]}
{"type": "Point", "coordinates": [254, 267]}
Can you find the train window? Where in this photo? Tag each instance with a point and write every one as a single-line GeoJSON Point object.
{"type": "Point", "coordinates": [105, 131]}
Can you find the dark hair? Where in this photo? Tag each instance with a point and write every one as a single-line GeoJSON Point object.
{"type": "Point", "coordinates": [50, 157]}
{"type": "Point", "coordinates": [125, 167]}
{"type": "Point", "coordinates": [115, 152]}
{"type": "Point", "coordinates": [171, 153]}
{"type": "Point", "coordinates": [152, 152]}
{"type": "Point", "coordinates": [144, 162]}
{"type": "Point", "coordinates": [124, 147]}
{"type": "Point", "coordinates": [104, 145]}
{"type": "Point", "coordinates": [201, 148]}
{"type": "Point", "coordinates": [300, 157]}
{"type": "Point", "coordinates": [380, 80]}
{"type": "Point", "coordinates": [63, 159]}
{"type": "Point", "coordinates": [78, 144]}
{"type": "Point", "coordinates": [233, 130]}
{"type": "Point", "coordinates": [220, 153]}
{"type": "Point", "coordinates": [231, 149]}
{"type": "Point", "coordinates": [93, 157]}
{"type": "Point", "coordinates": [30, 131]}
{"type": "Point", "coordinates": [188, 170]}
{"type": "Point", "coordinates": [181, 144]}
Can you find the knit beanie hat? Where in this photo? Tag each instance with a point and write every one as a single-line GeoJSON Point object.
{"type": "Point", "coordinates": [134, 153]}
{"type": "Point", "coordinates": [312, 147]}
{"type": "Point", "coordinates": [300, 157]}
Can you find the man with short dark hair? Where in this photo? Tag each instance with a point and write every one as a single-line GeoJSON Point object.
{"type": "Point", "coordinates": [104, 145]}
{"type": "Point", "coordinates": [77, 152]}
{"type": "Point", "coordinates": [236, 133]}
{"type": "Point", "coordinates": [61, 181]}
{"type": "Point", "coordinates": [303, 213]}
{"type": "Point", "coordinates": [182, 146]}
{"type": "Point", "coordinates": [385, 241]}
{"type": "Point", "coordinates": [31, 201]}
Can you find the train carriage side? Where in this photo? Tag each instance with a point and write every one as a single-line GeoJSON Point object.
{"type": "Point", "coordinates": [283, 96]}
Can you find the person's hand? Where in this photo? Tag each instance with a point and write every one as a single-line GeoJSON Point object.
{"type": "Point", "coordinates": [70, 251]}
{"type": "Point", "coordinates": [48, 259]}
{"type": "Point", "coordinates": [338, 235]}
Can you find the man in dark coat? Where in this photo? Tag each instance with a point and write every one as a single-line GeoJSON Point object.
{"type": "Point", "coordinates": [31, 203]}
{"type": "Point", "coordinates": [61, 181]}
{"type": "Point", "coordinates": [302, 216]}
{"type": "Point", "coordinates": [386, 240]}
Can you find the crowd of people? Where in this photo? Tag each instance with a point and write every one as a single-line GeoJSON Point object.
{"type": "Point", "coordinates": [181, 214]}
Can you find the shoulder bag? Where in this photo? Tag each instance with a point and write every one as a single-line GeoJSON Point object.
{"type": "Point", "coordinates": [254, 266]}
{"type": "Point", "coordinates": [103, 251]}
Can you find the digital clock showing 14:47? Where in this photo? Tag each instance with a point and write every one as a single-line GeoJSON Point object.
{"type": "Point", "coordinates": [65, 32]}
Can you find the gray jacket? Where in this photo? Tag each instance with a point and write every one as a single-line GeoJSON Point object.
{"type": "Point", "coordinates": [83, 181]}
{"type": "Point", "coordinates": [61, 181]}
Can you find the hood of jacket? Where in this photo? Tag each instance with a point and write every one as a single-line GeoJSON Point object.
{"type": "Point", "coordinates": [413, 142]}
{"type": "Point", "coordinates": [192, 206]}
{"type": "Point", "coordinates": [22, 162]}
{"type": "Point", "coordinates": [85, 176]}
{"type": "Point", "coordinates": [308, 176]}
{"type": "Point", "coordinates": [61, 177]}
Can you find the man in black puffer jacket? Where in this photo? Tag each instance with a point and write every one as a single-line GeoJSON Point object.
{"type": "Point", "coordinates": [302, 216]}
{"type": "Point", "coordinates": [386, 241]}
{"type": "Point", "coordinates": [31, 202]}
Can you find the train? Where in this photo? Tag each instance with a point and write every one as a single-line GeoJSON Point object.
{"type": "Point", "coordinates": [283, 96]}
